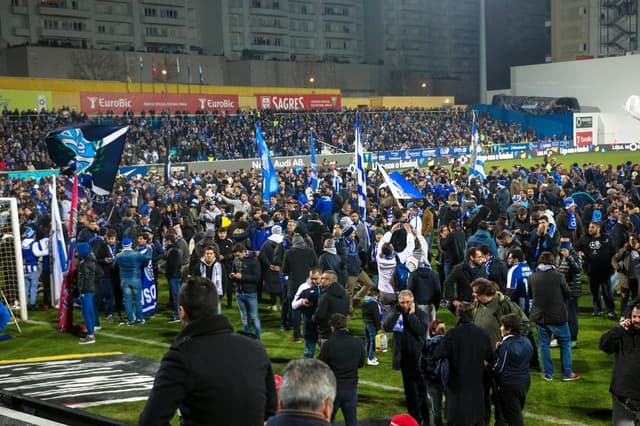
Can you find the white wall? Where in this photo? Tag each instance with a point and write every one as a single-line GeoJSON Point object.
{"type": "Point", "coordinates": [604, 83]}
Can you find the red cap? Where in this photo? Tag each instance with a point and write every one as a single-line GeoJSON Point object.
{"type": "Point", "coordinates": [403, 420]}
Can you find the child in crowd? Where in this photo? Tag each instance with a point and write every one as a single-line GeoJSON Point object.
{"type": "Point", "coordinates": [372, 317]}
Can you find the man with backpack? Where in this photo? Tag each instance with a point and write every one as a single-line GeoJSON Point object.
{"type": "Point", "coordinates": [425, 286]}
{"type": "Point", "coordinates": [434, 370]}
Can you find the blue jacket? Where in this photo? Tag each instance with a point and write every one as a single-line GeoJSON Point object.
{"type": "Point", "coordinates": [483, 237]}
{"type": "Point", "coordinates": [130, 263]}
{"type": "Point", "coordinates": [512, 360]}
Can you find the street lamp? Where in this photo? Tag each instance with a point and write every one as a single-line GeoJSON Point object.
{"type": "Point", "coordinates": [164, 77]}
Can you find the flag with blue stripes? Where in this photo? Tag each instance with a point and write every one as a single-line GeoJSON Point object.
{"type": "Point", "coordinates": [314, 169]}
{"type": "Point", "coordinates": [270, 183]}
{"type": "Point", "coordinates": [58, 246]}
{"type": "Point", "coordinates": [361, 177]}
{"type": "Point", "coordinates": [476, 165]}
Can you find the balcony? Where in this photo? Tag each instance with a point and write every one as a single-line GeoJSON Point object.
{"type": "Point", "coordinates": [65, 34]}
{"type": "Point", "coordinates": [21, 32]}
{"type": "Point", "coordinates": [155, 20]}
{"type": "Point", "coordinates": [19, 10]}
{"type": "Point", "coordinates": [66, 12]}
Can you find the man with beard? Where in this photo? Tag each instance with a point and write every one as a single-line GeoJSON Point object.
{"type": "Point", "coordinates": [596, 250]}
{"type": "Point", "coordinates": [624, 342]}
{"type": "Point", "coordinates": [457, 285]}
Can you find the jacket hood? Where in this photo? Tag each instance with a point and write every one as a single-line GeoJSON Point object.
{"type": "Point", "coordinates": [276, 238]}
{"type": "Point", "coordinates": [482, 234]}
{"type": "Point", "coordinates": [334, 291]}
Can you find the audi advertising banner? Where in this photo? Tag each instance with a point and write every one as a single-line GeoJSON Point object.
{"type": "Point", "coordinates": [98, 102]}
{"type": "Point", "coordinates": [299, 102]}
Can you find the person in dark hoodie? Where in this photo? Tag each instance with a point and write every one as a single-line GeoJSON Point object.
{"type": "Point", "coordinates": [372, 315]}
{"type": "Point", "coordinates": [225, 256]}
{"type": "Point", "coordinates": [87, 287]}
{"type": "Point", "coordinates": [331, 260]}
{"type": "Point", "coordinates": [172, 266]}
{"type": "Point", "coordinates": [271, 273]}
{"type": "Point", "coordinates": [424, 283]}
{"type": "Point", "coordinates": [245, 272]}
{"type": "Point", "coordinates": [298, 261]}
{"type": "Point", "coordinates": [333, 299]}
{"type": "Point", "coordinates": [344, 354]}
{"type": "Point", "coordinates": [511, 370]}
{"type": "Point", "coordinates": [483, 236]}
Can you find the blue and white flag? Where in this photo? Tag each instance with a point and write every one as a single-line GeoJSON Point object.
{"type": "Point", "coordinates": [314, 169]}
{"type": "Point", "coordinates": [361, 176]}
{"type": "Point", "coordinates": [400, 188]}
{"type": "Point", "coordinates": [201, 74]}
{"type": "Point", "coordinates": [167, 170]}
{"type": "Point", "coordinates": [58, 252]}
{"type": "Point", "coordinates": [270, 183]}
{"type": "Point", "coordinates": [93, 152]}
{"type": "Point", "coordinates": [476, 165]}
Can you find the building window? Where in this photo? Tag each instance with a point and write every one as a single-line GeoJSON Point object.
{"type": "Point", "coordinates": [102, 29]}
{"type": "Point", "coordinates": [327, 44]}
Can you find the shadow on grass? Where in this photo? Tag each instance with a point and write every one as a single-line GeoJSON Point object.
{"type": "Point", "coordinates": [603, 414]}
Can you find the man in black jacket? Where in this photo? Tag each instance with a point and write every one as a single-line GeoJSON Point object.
{"type": "Point", "coordinates": [245, 272]}
{"type": "Point", "coordinates": [332, 300]}
{"type": "Point", "coordinates": [344, 354]}
{"type": "Point", "coordinates": [549, 291]}
{"type": "Point", "coordinates": [409, 326]}
{"type": "Point", "coordinates": [624, 342]}
{"type": "Point", "coordinates": [425, 286]}
{"type": "Point", "coordinates": [199, 375]}
{"type": "Point", "coordinates": [457, 285]}
{"type": "Point", "coordinates": [172, 266]}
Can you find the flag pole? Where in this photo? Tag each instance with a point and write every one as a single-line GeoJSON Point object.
{"type": "Point", "coordinates": [65, 311]}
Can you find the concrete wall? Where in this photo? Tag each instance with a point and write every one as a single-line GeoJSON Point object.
{"type": "Point", "coordinates": [604, 83]}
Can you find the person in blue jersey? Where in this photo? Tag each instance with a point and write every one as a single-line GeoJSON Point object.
{"type": "Point", "coordinates": [519, 271]}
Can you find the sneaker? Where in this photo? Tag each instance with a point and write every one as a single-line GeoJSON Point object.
{"type": "Point", "coordinates": [97, 327]}
{"type": "Point", "coordinates": [611, 315]}
{"type": "Point", "coordinates": [87, 340]}
{"type": "Point", "coordinates": [571, 378]}
{"type": "Point", "coordinates": [372, 362]}
{"type": "Point", "coordinates": [128, 323]}
{"type": "Point", "coordinates": [173, 320]}
{"type": "Point", "coordinates": [140, 321]}
{"type": "Point", "coordinates": [595, 314]}
{"type": "Point", "coordinates": [554, 343]}
{"type": "Point", "coordinates": [109, 318]}
{"type": "Point", "coordinates": [294, 339]}
{"type": "Point", "coordinates": [574, 344]}
{"type": "Point", "coordinates": [547, 378]}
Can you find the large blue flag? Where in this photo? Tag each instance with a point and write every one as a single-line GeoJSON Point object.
{"type": "Point", "coordinates": [400, 188]}
{"type": "Point", "coordinates": [93, 152]}
{"type": "Point", "coordinates": [270, 184]}
{"type": "Point", "coordinates": [476, 165]}
{"type": "Point", "coordinates": [314, 169]}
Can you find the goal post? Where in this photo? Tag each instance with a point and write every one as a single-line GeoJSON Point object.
{"type": "Point", "coordinates": [11, 268]}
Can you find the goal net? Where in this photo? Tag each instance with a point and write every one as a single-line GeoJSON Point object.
{"type": "Point", "coordinates": [11, 271]}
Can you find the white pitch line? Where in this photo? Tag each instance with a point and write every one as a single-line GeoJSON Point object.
{"type": "Point", "coordinates": [548, 419]}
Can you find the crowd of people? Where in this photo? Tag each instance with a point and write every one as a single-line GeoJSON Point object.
{"type": "Point", "coordinates": [523, 235]}
{"type": "Point", "coordinates": [219, 136]}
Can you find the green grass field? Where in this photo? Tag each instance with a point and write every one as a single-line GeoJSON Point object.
{"type": "Point", "coordinates": [584, 402]}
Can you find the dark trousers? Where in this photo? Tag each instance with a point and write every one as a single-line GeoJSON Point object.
{"type": "Point", "coordinates": [511, 399]}
{"type": "Point", "coordinates": [415, 393]}
{"type": "Point", "coordinates": [347, 401]}
{"type": "Point", "coordinates": [628, 293]}
{"type": "Point", "coordinates": [599, 285]}
{"type": "Point", "coordinates": [572, 311]}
